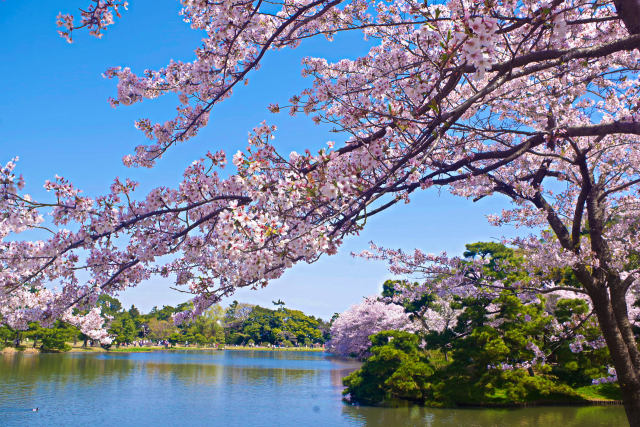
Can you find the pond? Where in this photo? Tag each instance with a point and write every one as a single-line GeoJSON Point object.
{"type": "Point", "coordinates": [225, 388]}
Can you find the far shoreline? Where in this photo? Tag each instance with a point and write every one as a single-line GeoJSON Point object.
{"type": "Point", "coordinates": [150, 349]}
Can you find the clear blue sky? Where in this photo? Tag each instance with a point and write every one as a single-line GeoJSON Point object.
{"type": "Point", "coordinates": [54, 115]}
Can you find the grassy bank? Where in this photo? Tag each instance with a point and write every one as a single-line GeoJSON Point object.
{"type": "Point", "coordinates": [182, 348]}
{"type": "Point", "coordinates": [79, 349]}
{"type": "Point", "coordinates": [600, 393]}
{"type": "Point", "coordinates": [149, 349]}
{"type": "Point", "coordinates": [256, 348]}
{"type": "Point", "coordinates": [593, 395]}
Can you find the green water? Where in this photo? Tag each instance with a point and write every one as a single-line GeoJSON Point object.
{"type": "Point", "coordinates": [226, 388]}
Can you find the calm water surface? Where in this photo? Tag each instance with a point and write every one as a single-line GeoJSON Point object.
{"type": "Point", "coordinates": [225, 388]}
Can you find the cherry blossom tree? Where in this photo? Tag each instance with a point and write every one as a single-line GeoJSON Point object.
{"type": "Point", "coordinates": [534, 100]}
{"type": "Point", "coordinates": [350, 332]}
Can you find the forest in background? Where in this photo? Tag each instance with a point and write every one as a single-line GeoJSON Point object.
{"type": "Point", "coordinates": [238, 324]}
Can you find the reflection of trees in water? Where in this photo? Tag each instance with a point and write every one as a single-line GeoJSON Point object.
{"type": "Point", "coordinates": [338, 374]}
{"type": "Point", "coordinates": [28, 368]}
{"type": "Point", "coordinates": [211, 373]}
{"type": "Point", "coordinates": [258, 375]}
{"type": "Point", "coordinates": [189, 373]}
{"type": "Point", "coordinates": [383, 417]}
{"type": "Point", "coordinates": [529, 417]}
{"type": "Point", "coordinates": [313, 356]}
{"type": "Point", "coordinates": [24, 374]}
{"type": "Point", "coordinates": [341, 368]}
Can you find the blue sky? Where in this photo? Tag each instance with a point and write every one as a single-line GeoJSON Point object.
{"type": "Point", "coordinates": [55, 116]}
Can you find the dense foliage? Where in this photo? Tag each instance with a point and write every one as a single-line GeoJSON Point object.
{"type": "Point", "coordinates": [277, 327]}
{"type": "Point", "coordinates": [396, 369]}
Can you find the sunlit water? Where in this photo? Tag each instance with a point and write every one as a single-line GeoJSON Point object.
{"type": "Point", "coordinates": [225, 388]}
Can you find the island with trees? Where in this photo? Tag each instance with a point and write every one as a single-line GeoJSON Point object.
{"type": "Point", "coordinates": [490, 341]}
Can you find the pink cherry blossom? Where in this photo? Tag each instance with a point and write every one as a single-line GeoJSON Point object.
{"type": "Point", "coordinates": [350, 332]}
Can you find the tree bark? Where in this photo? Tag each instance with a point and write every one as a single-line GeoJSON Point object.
{"type": "Point", "coordinates": [18, 339]}
{"type": "Point", "coordinates": [621, 354]}
{"type": "Point", "coordinates": [629, 12]}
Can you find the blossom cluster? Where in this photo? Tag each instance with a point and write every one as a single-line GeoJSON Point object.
{"type": "Point", "coordinates": [612, 378]}
{"type": "Point", "coordinates": [350, 332]}
{"type": "Point", "coordinates": [95, 18]}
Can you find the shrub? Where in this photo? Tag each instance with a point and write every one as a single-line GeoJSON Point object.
{"type": "Point", "coordinates": [397, 369]}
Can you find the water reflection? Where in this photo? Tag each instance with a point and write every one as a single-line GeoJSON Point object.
{"type": "Point", "coordinates": [586, 416]}
{"type": "Point", "coordinates": [188, 373]}
{"type": "Point", "coordinates": [32, 368]}
{"type": "Point", "coordinates": [239, 375]}
{"type": "Point", "coordinates": [224, 388]}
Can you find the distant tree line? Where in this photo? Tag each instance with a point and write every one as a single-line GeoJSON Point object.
{"type": "Point", "coordinates": [238, 324]}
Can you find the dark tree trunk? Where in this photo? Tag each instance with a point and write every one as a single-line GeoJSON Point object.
{"type": "Point", "coordinates": [629, 11]}
{"type": "Point", "coordinates": [622, 353]}
{"type": "Point", "coordinates": [603, 282]}
{"type": "Point", "coordinates": [18, 339]}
